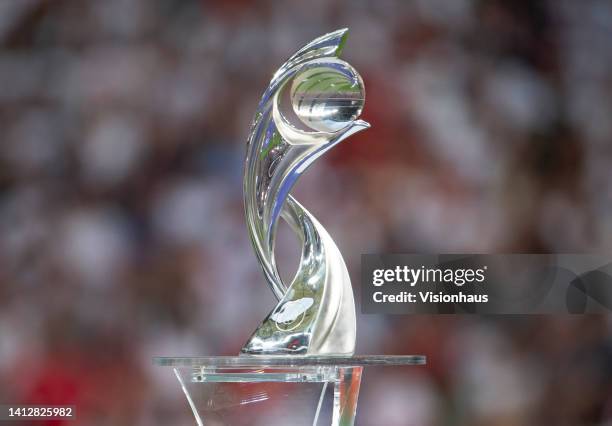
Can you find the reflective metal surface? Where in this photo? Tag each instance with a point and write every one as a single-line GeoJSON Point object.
{"type": "Point", "coordinates": [316, 312]}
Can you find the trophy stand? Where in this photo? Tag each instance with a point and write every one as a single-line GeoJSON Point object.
{"type": "Point", "coordinates": [273, 390]}
{"type": "Point", "coordinates": [297, 368]}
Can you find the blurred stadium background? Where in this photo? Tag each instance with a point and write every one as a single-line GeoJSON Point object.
{"type": "Point", "coordinates": [123, 126]}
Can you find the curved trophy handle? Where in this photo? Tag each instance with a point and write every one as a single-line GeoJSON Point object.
{"type": "Point", "coordinates": [316, 312]}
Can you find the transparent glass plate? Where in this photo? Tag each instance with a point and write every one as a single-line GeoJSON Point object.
{"type": "Point", "coordinates": [275, 390]}
{"type": "Point", "coordinates": [275, 360]}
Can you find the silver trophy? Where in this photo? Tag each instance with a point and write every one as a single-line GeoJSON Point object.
{"type": "Point", "coordinates": [298, 367]}
{"type": "Point", "coordinates": [316, 312]}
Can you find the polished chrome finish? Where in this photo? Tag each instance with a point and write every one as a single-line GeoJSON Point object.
{"type": "Point", "coordinates": [316, 312]}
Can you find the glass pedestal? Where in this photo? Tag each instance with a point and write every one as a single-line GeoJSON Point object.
{"type": "Point", "coordinates": [275, 390]}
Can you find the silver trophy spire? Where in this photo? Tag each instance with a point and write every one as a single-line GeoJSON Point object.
{"type": "Point", "coordinates": [315, 314]}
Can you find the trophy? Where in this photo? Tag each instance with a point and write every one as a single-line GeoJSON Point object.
{"type": "Point", "coordinates": [298, 367]}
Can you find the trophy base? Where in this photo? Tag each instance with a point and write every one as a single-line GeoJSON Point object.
{"type": "Point", "coordinates": [275, 390]}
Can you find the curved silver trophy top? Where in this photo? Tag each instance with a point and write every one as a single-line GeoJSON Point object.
{"type": "Point", "coordinates": [315, 314]}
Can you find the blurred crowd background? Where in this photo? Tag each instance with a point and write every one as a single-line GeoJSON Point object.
{"type": "Point", "coordinates": [122, 237]}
